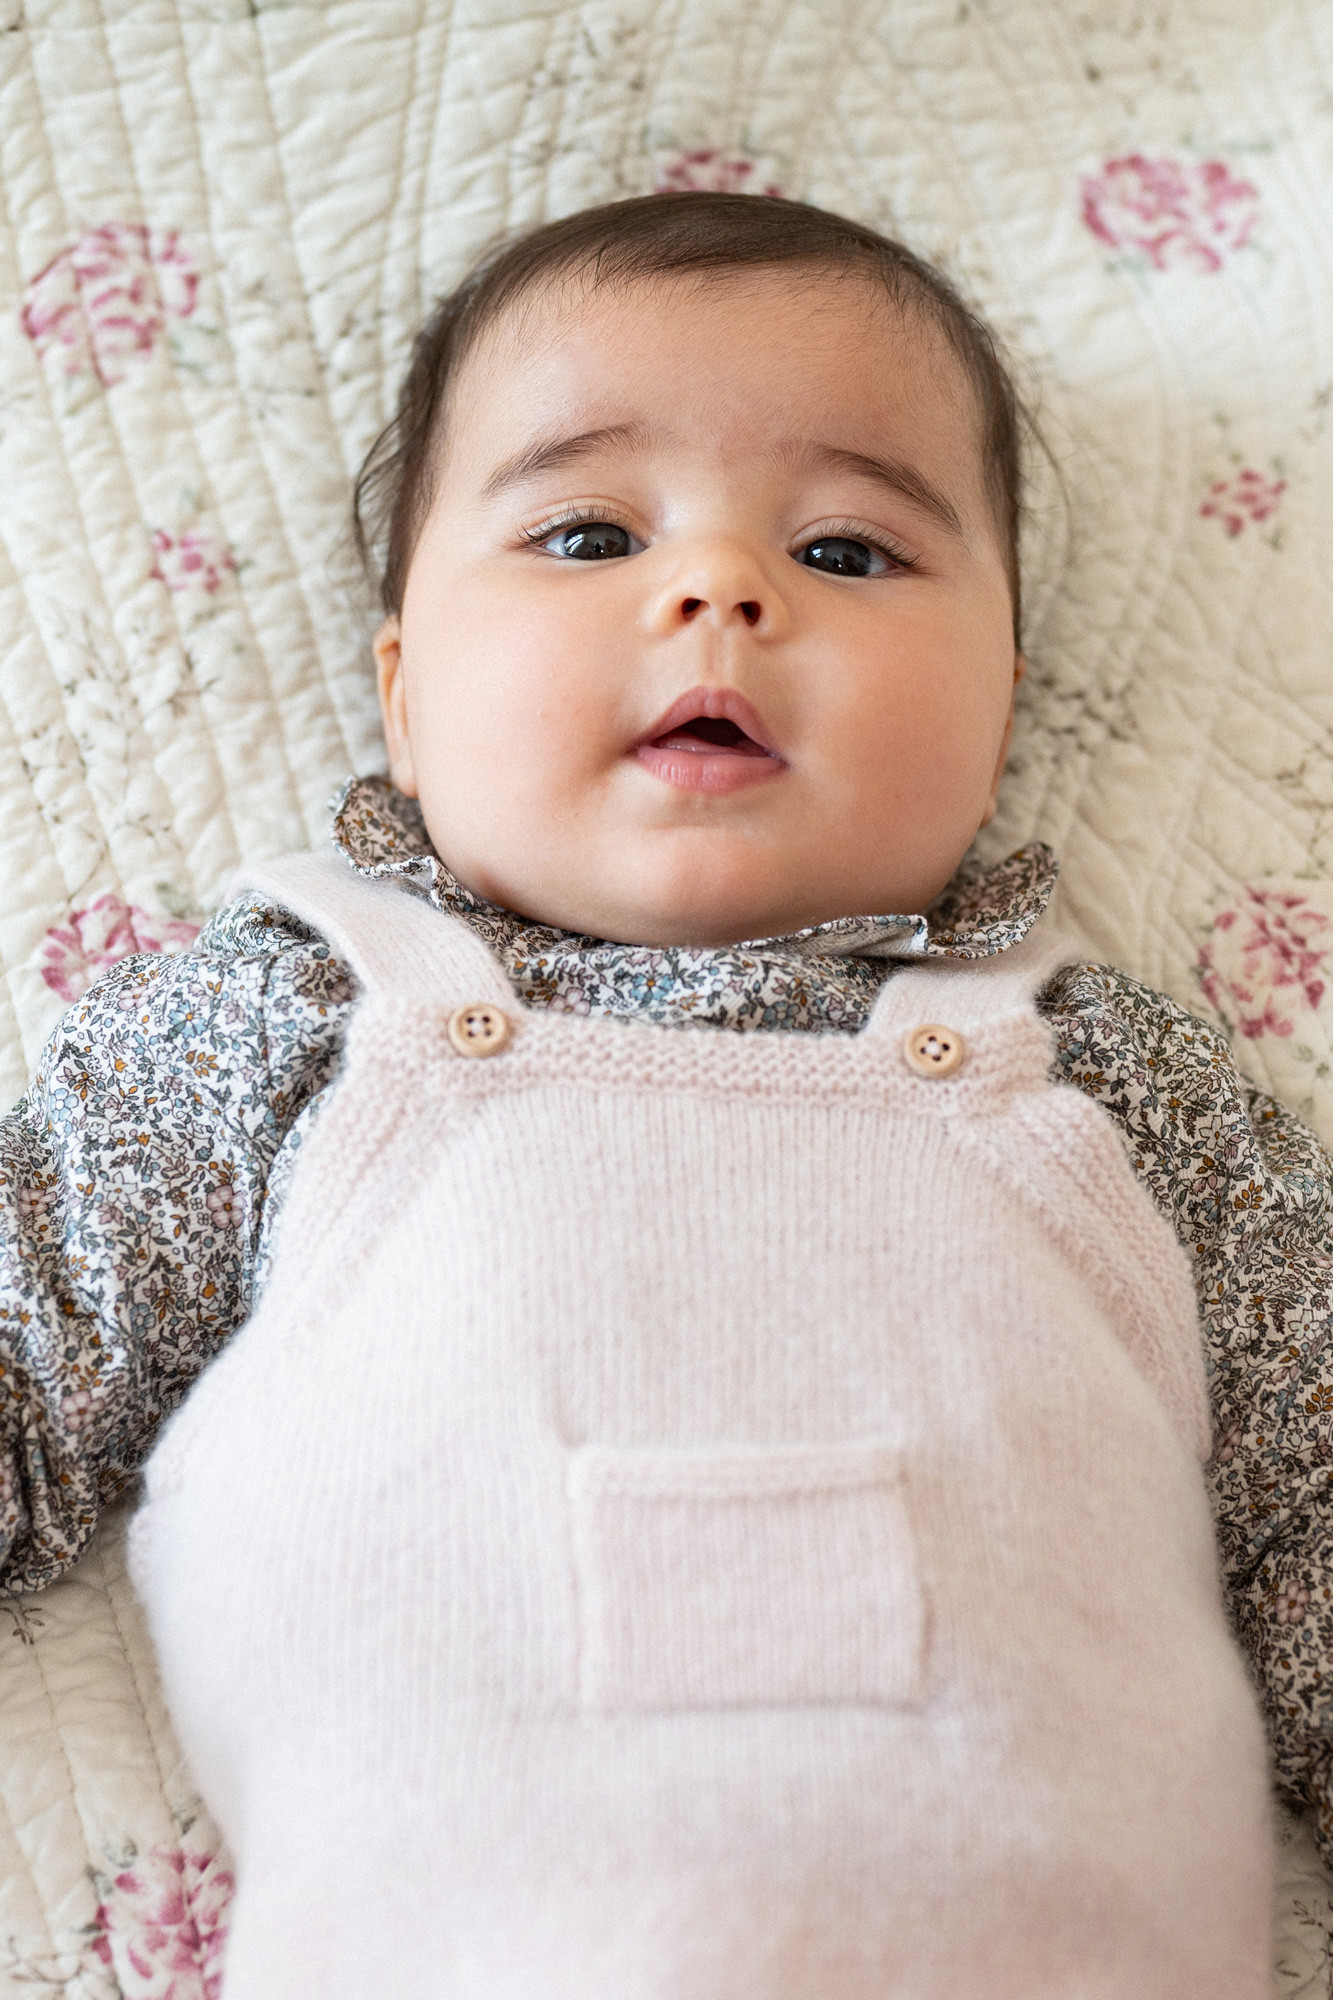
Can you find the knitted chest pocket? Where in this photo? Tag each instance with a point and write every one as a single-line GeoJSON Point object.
{"type": "Point", "coordinates": [741, 1576]}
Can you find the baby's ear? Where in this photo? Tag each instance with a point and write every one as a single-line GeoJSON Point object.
{"type": "Point", "coordinates": [388, 651]}
{"type": "Point", "coordinates": [1020, 668]}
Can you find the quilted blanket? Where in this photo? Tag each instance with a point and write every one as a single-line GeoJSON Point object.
{"type": "Point", "coordinates": [221, 221]}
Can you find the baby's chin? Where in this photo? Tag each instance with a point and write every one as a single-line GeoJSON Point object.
{"type": "Point", "coordinates": [704, 887]}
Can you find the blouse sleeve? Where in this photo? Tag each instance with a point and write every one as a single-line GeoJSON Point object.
{"type": "Point", "coordinates": [1249, 1190]}
{"type": "Point", "coordinates": [133, 1180]}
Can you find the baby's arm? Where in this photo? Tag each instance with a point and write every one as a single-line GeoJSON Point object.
{"type": "Point", "coordinates": [1249, 1190]}
{"type": "Point", "coordinates": [133, 1181]}
{"type": "Point", "coordinates": [1272, 1468]}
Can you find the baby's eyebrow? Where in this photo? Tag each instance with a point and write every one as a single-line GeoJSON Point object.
{"type": "Point", "coordinates": [548, 454]}
{"type": "Point", "coordinates": [900, 478]}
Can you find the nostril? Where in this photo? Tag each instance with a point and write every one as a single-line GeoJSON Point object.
{"type": "Point", "coordinates": [750, 611]}
{"type": "Point", "coordinates": [690, 605]}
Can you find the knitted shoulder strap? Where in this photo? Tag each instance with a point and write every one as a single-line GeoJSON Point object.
{"type": "Point", "coordinates": [963, 992]}
{"type": "Point", "coordinates": [396, 943]}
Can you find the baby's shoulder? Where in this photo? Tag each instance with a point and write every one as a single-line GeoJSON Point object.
{"type": "Point", "coordinates": [1204, 1135]}
{"type": "Point", "coordinates": [252, 926]}
{"type": "Point", "coordinates": [1138, 1050]}
{"type": "Point", "coordinates": [248, 1018]}
{"type": "Point", "coordinates": [253, 941]}
{"type": "Point", "coordinates": [1102, 1003]}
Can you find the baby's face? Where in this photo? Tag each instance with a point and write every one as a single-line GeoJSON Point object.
{"type": "Point", "coordinates": [707, 634]}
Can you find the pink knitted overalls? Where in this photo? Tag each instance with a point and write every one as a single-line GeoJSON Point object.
{"type": "Point", "coordinates": [706, 1516]}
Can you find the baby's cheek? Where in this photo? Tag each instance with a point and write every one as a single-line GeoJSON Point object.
{"type": "Point", "coordinates": [911, 805]}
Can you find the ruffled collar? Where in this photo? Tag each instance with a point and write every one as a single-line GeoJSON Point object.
{"type": "Point", "coordinates": [823, 977]}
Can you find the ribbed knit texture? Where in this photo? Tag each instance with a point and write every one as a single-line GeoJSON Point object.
{"type": "Point", "coordinates": [678, 1610]}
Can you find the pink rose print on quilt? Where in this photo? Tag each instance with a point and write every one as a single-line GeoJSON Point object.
{"type": "Point", "coordinates": [108, 929]}
{"type": "Point", "coordinates": [711, 171]}
{"type": "Point", "coordinates": [1267, 961]}
{"type": "Point", "coordinates": [191, 560]}
{"type": "Point", "coordinates": [101, 306]}
{"type": "Point", "coordinates": [162, 1924]}
{"type": "Point", "coordinates": [1181, 215]}
{"type": "Point", "coordinates": [1247, 496]}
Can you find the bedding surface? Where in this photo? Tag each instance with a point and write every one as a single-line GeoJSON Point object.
{"type": "Point", "coordinates": [221, 222]}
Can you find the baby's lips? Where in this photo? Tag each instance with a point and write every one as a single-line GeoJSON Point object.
{"type": "Point", "coordinates": [678, 756]}
{"type": "Point", "coordinates": [716, 705]}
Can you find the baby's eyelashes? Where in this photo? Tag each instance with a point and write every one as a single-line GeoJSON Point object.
{"type": "Point", "coordinates": [839, 555]}
{"type": "Point", "coordinates": [844, 553]}
{"type": "Point", "coordinates": [592, 541]}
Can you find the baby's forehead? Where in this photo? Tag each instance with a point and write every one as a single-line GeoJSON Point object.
{"type": "Point", "coordinates": [810, 328]}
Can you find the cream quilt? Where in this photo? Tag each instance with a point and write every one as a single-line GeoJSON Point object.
{"type": "Point", "coordinates": [220, 221]}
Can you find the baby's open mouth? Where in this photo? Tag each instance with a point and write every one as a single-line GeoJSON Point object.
{"type": "Point", "coordinates": [710, 740]}
{"type": "Point", "coordinates": [704, 734]}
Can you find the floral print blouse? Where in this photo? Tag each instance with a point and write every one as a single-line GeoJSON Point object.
{"type": "Point", "coordinates": [142, 1174]}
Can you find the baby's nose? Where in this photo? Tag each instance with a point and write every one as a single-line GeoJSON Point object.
{"type": "Point", "coordinates": [721, 585]}
{"type": "Point", "coordinates": [750, 609]}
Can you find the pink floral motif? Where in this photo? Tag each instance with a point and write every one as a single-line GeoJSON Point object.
{"type": "Point", "coordinates": [162, 1924]}
{"type": "Point", "coordinates": [192, 560]}
{"type": "Point", "coordinates": [226, 1207]}
{"type": "Point", "coordinates": [1180, 214]}
{"type": "Point", "coordinates": [81, 1406]}
{"type": "Point", "coordinates": [1292, 1602]}
{"type": "Point", "coordinates": [711, 171]}
{"type": "Point", "coordinates": [1246, 496]}
{"type": "Point", "coordinates": [103, 303]}
{"type": "Point", "coordinates": [1268, 956]}
{"type": "Point", "coordinates": [1227, 1445]}
{"type": "Point", "coordinates": [75, 953]}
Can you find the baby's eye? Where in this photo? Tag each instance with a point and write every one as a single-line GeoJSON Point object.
{"type": "Point", "coordinates": [839, 555]}
{"type": "Point", "coordinates": [592, 541]}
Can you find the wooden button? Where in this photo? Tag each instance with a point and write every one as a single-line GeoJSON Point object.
{"type": "Point", "coordinates": [933, 1050]}
{"type": "Point", "coordinates": [480, 1029]}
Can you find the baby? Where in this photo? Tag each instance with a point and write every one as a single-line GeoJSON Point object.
{"type": "Point", "coordinates": [706, 1498]}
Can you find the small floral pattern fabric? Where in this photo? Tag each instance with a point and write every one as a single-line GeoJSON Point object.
{"type": "Point", "coordinates": [141, 1176]}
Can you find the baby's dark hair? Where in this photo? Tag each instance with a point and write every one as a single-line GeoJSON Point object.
{"type": "Point", "coordinates": [652, 236]}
